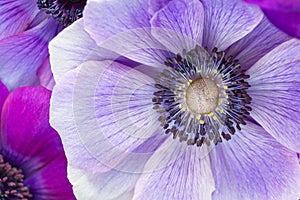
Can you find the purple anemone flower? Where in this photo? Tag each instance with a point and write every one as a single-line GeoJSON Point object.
{"type": "Point", "coordinates": [207, 109]}
{"type": "Point", "coordinates": [285, 14]}
{"type": "Point", "coordinates": [32, 161]}
{"type": "Point", "coordinates": [26, 27]}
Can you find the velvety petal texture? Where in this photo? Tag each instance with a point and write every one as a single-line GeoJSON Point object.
{"type": "Point", "coordinates": [16, 16]}
{"type": "Point", "coordinates": [21, 55]}
{"type": "Point", "coordinates": [28, 142]}
{"type": "Point", "coordinates": [275, 81]}
{"type": "Point", "coordinates": [285, 14]}
{"type": "Point", "coordinates": [253, 165]}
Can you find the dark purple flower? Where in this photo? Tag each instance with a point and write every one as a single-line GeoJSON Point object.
{"type": "Point", "coordinates": [26, 27]}
{"type": "Point", "coordinates": [210, 112]}
{"type": "Point", "coordinates": [32, 160]}
{"type": "Point", "coordinates": [285, 14]}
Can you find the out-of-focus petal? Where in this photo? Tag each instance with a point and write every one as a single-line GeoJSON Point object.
{"type": "Point", "coordinates": [275, 90]}
{"type": "Point", "coordinates": [289, 22]}
{"type": "Point", "coordinates": [226, 22]}
{"type": "Point", "coordinates": [16, 16]}
{"type": "Point", "coordinates": [28, 142]}
{"type": "Point", "coordinates": [253, 165]}
{"type": "Point", "coordinates": [45, 75]}
{"type": "Point", "coordinates": [21, 55]}
{"type": "Point", "coordinates": [180, 25]}
{"type": "Point", "coordinates": [3, 95]}
{"type": "Point", "coordinates": [256, 44]}
{"type": "Point", "coordinates": [287, 5]}
{"type": "Point", "coordinates": [183, 174]}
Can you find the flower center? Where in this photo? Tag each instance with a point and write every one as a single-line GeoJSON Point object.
{"type": "Point", "coordinates": [65, 11]}
{"type": "Point", "coordinates": [201, 97]}
{"type": "Point", "coordinates": [11, 182]}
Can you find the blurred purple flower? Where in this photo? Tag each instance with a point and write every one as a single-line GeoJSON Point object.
{"type": "Point", "coordinates": [146, 132]}
{"type": "Point", "coordinates": [32, 160]}
{"type": "Point", "coordinates": [26, 27]}
{"type": "Point", "coordinates": [285, 14]}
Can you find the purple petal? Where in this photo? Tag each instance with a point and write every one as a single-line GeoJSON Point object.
{"type": "Point", "coordinates": [156, 5]}
{"type": "Point", "coordinates": [72, 47]}
{"type": "Point", "coordinates": [104, 19]}
{"type": "Point", "coordinates": [16, 16]}
{"type": "Point", "coordinates": [227, 22]}
{"type": "Point", "coordinates": [181, 22]}
{"type": "Point", "coordinates": [3, 95]}
{"type": "Point", "coordinates": [51, 181]}
{"type": "Point", "coordinates": [284, 5]}
{"type": "Point", "coordinates": [256, 44]}
{"type": "Point", "coordinates": [286, 21]}
{"type": "Point", "coordinates": [112, 111]}
{"type": "Point", "coordinates": [253, 165]}
{"type": "Point", "coordinates": [45, 75]}
{"type": "Point", "coordinates": [184, 173]}
{"type": "Point", "coordinates": [275, 81]}
{"type": "Point", "coordinates": [28, 142]}
{"type": "Point", "coordinates": [21, 55]}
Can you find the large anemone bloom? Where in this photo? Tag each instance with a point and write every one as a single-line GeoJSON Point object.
{"type": "Point", "coordinates": [285, 14]}
{"type": "Point", "coordinates": [32, 160]}
{"type": "Point", "coordinates": [26, 27]}
{"type": "Point", "coordinates": [209, 109]}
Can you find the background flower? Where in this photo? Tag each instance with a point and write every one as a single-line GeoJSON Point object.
{"type": "Point", "coordinates": [26, 27]}
{"type": "Point", "coordinates": [115, 145]}
{"type": "Point", "coordinates": [285, 14]}
{"type": "Point", "coordinates": [28, 143]}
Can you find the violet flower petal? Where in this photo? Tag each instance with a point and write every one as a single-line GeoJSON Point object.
{"type": "Point", "coordinates": [28, 142]}
{"type": "Point", "coordinates": [253, 165]}
{"type": "Point", "coordinates": [123, 118]}
{"type": "Point", "coordinates": [289, 22]}
{"type": "Point", "coordinates": [275, 82]}
{"type": "Point", "coordinates": [256, 44]}
{"type": "Point", "coordinates": [16, 16]}
{"type": "Point", "coordinates": [156, 5]}
{"type": "Point", "coordinates": [184, 174]}
{"type": "Point", "coordinates": [285, 5]}
{"type": "Point", "coordinates": [21, 55]}
{"type": "Point", "coordinates": [227, 22]}
{"type": "Point", "coordinates": [45, 75]}
{"type": "Point", "coordinates": [3, 95]}
{"type": "Point", "coordinates": [179, 20]}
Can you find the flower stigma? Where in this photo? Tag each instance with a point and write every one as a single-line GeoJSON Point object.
{"type": "Point", "coordinates": [65, 11]}
{"type": "Point", "coordinates": [201, 97]}
{"type": "Point", "coordinates": [11, 182]}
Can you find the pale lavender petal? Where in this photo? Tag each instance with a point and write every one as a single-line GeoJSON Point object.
{"type": "Point", "coordinates": [21, 55]}
{"type": "Point", "coordinates": [256, 44]}
{"type": "Point", "coordinates": [184, 173]}
{"type": "Point", "coordinates": [253, 165]}
{"type": "Point", "coordinates": [16, 16]}
{"type": "Point", "coordinates": [45, 75]}
{"type": "Point", "coordinates": [275, 83]}
{"type": "Point", "coordinates": [111, 111]}
{"type": "Point", "coordinates": [104, 19]}
{"type": "Point", "coordinates": [227, 22]}
{"type": "Point", "coordinates": [72, 47]}
{"type": "Point", "coordinates": [181, 22]}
